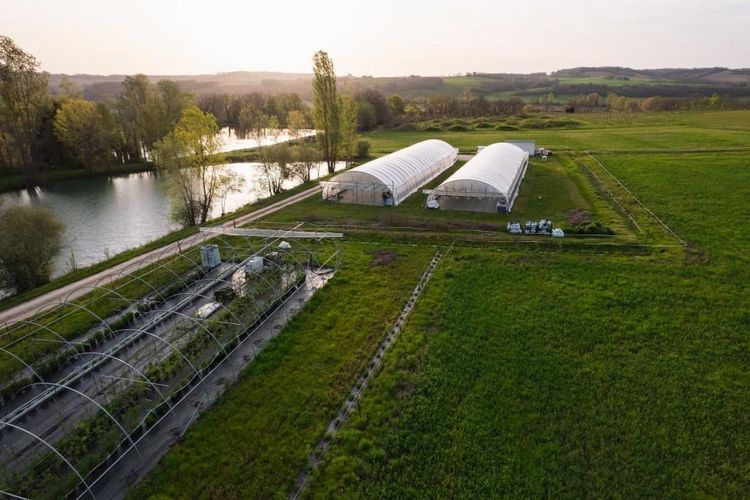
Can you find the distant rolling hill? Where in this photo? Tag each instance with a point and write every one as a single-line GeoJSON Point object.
{"type": "Point", "coordinates": [105, 87]}
{"type": "Point", "coordinates": [677, 75]}
{"type": "Point", "coordinates": [675, 82]}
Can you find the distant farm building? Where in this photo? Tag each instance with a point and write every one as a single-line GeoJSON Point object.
{"type": "Point", "coordinates": [528, 146]}
{"type": "Point", "coordinates": [390, 179]}
{"type": "Point", "coordinates": [489, 182]}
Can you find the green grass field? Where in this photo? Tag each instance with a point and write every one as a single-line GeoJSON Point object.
{"type": "Point", "coordinates": [531, 376]}
{"type": "Point", "coordinates": [629, 139]}
{"type": "Point", "coordinates": [535, 375]}
{"type": "Point", "coordinates": [550, 189]}
{"type": "Point", "coordinates": [703, 197]}
{"type": "Point", "coordinates": [256, 438]}
{"type": "Point", "coordinates": [523, 372]}
{"type": "Point", "coordinates": [642, 132]}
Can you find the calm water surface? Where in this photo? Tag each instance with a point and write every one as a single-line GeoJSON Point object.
{"type": "Point", "coordinates": [107, 215]}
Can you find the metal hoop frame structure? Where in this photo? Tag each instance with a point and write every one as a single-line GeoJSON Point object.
{"type": "Point", "coordinates": [139, 336]}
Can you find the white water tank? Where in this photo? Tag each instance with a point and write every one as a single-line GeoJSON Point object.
{"type": "Point", "coordinates": [210, 256]}
{"type": "Point", "coordinates": [254, 265]}
{"type": "Point", "coordinates": [207, 310]}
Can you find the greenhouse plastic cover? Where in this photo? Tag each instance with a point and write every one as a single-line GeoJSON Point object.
{"type": "Point", "coordinates": [404, 171]}
{"type": "Point", "coordinates": [497, 169]}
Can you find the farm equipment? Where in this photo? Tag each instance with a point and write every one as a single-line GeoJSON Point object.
{"type": "Point", "coordinates": [542, 226]}
{"type": "Point", "coordinates": [514, 227]}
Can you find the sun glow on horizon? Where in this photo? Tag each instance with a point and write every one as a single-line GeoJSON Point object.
{"type": "Point", "coordinates": [385, 38]}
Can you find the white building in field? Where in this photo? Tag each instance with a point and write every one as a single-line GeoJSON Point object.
{"type": "Point", "coordinates": [528, 146]}
{"type": "Point", "coordinates": [489, 182]}
{"type": "Point", "coordinates": [390, 179]}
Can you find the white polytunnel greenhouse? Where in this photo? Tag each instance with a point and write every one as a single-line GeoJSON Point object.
{"type": "Point", "coordinates": [489, 182]}
{"type": "Point", "coordinates": [390, 179]}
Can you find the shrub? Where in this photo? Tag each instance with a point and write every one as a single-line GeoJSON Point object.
{"type": "Point", "coordinates": [26, 257]}
{"type": "Point", "coordinates": [532, 123]}
{"type": "Point", "coordinates": [432, 128]}
{"type": "Point", "coordinates": [578, 216]}
{"type": "Point", "coordinates": [405, 127]}
{"type": "Point", "coordinates": [562, 122]}
{"type": "Point", "coordinates": [363, 148]}
{"type": "Point", "coordinates": [590, 228]}
{"type": "Point", "coordinates": [458, 128]}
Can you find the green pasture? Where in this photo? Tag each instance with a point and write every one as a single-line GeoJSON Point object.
{"type": "Point", "coordinates": [550, 376]}
{"type": "Point", "coordinates": [613, 139]}
{"type": "Point", "coordinates": [526, 375]}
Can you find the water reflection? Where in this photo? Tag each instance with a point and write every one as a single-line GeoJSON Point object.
{"type": "Point", "coordinates": [107, 215]}
{"type": "Point", "coordinates": [232, 143]}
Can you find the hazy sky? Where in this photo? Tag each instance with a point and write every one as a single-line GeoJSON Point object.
{"type": "Point", "coordinates": [377, 37]}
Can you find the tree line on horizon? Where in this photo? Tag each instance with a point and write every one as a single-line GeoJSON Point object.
{"type": "Point", "coordinates": [40, 131]}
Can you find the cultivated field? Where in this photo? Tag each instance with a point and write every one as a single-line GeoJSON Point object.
{"type": "Point", "coordinates": [538, 375]}
{"type": "Point", "coordinates": [253, 443]}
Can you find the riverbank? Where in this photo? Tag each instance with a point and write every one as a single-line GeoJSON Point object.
{"type": "Point", "coordinates": [85, 272]}
{"type": "Point", "coordinates": [14, 182]}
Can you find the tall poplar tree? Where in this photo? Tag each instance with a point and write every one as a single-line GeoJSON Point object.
{"type": "Point", "coordinates": [326, 110]}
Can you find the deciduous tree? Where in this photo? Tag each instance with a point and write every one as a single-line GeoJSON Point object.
{"type": "Point", "coordinates": [306, 158]}
{"type": "Point", "coordinates": [26, 257]}
{"type": "Point", "coordinates": [190, 155]}
{"type": "Point", "coordinates": [85, 129]}
{"type": "Point", "coordinates": [276, 163]}
{"type": "Point", "coordinates": [397, 105]}
{"type": "Point", "coordinates": [147, 113]}
{"type": "Point", "coordinates": [347, 127]}
{"type": "Point", "coordinates": [23, 105]}
{"type": "Point", "coordinates": [304, 155]}
{"type": "Point", "coordinates": [296, 123]}
{"type": "Point", "coordinates": [229, 182]}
